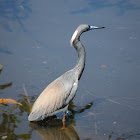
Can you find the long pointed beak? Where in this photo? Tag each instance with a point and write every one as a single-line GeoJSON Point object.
{"type": "Point", "coordinates": [95, 27]}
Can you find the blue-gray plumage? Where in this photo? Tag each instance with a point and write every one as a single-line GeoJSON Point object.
{"type": "Point", "coordinates": [56, 96]}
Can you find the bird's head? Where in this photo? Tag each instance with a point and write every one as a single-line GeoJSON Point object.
{"type": "Point", "coordinates": [82, 28]}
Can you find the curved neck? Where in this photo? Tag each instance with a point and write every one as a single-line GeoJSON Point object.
{"type": "Point", "coordinates": [79, 67]}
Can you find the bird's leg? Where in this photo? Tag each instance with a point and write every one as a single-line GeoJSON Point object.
{"type": "Point", "coordinates": [63, 120]}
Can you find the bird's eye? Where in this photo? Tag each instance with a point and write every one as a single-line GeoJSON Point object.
{"type": "Point", "coordinates": [89, 28]}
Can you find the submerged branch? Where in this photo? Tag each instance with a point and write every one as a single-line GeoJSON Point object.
{"type": "Point", "coordinates": [26, 94]}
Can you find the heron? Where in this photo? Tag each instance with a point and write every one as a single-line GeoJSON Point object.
{"type": "Point", "coordinates": [57, 95]}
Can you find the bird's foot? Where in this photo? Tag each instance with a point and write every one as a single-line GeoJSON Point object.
{"type": "Point", "coordinates": [63, 120]}
{"type": "Point", "coordinates": [63, 128]}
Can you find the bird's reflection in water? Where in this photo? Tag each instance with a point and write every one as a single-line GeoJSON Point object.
{"type": "Point", "coordinates": [54, 131]}
{"type": "Point", "coordinates": [50, 128]}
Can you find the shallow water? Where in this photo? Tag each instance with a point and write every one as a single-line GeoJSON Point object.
{"type": "Point", "coordinates": [35, 50]}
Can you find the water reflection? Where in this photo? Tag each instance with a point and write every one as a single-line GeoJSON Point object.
{"type": "Point", "coordinates": [4, 51]}
{"type": "Point", "coordinates": [14, 11]}
{"type": "Point", "coordinates": [50, 128]}
{"type": "Point", "coordinates": [9, 125]}
{"type": "Point", "coordinates": [12, 116]}
{"type": "Point", "coordinates": [6, 85]}
{"type": "Point", "coordinates": [10, 119]}
{"type": "Point", "coordinates": [118, 49]}
{"type": "Point", "coordinates": [124, 136]}
{"type": "Point", "coordinates": [3, 86]}
{"type": "Point", "coordinates": [54, 132]}
{"type": "Point", "coordinates": [100, 4]}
